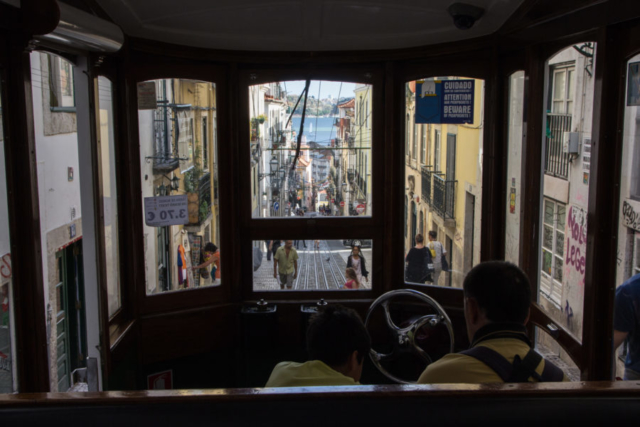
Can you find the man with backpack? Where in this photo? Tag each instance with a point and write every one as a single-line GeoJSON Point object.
{"type": "Point", "coordinates": [497, 296]}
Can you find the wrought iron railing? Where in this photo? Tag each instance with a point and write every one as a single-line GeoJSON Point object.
{"type": "Point", "coordinates": [426, 183]}
{"type": "Point", "coordinates": [556, 162]}
{"type": "Point", "coordinates": [444, 196]}
{"type": "Point", "coordinates": [204, 197]}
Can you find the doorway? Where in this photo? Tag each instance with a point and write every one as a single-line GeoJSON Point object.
{"type": "Point", "coordinates": [71, 319]}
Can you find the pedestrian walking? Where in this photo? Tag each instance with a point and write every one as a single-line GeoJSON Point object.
{"type": "Point", "coordinates": [285, 264]}
{"type": "Point", "coordinates": [438, 253]}
{"type": "Point", "coordinates": [358, 263]}
{"type": "Point", "coordinates": [416, 262]}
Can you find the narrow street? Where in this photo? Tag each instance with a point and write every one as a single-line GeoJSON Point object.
{"type": "Point", "coordinates": [322, 269]}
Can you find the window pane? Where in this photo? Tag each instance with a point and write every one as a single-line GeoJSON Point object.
{"type": "Point", "coordinates": [514, 167]}
{"type": "Point", "coordinates": [107, 158]}
{"type": "Point", "coordinates": [558, 269]}
{"type": "Point", "coordinates": [444, 196]}
{"type": "Point", "coordinates": [7, 337]}
{"type": "Point", "coordinates": [570, 74]}
{"type": "Point", "coordinates": [332, 175]}
{"type": "Point", "coordinates": [311, 265]}
{"type": "Point", "coordinates": [547, 260]}
{"type": "Point", "coordinates": [547, 238]}
{"type": "Point", "coordinates": [548, 212]}
{"type": "Point", "coordinates": [558, 85]}
{"type": "Point", "coordinates": [561, 214]}
{"type": "Point", "coordinates": [629, 224]}
{"type": "Point", "coordinates": [176, 117]}
{"type": "Point", "coordinates": [559, 243]}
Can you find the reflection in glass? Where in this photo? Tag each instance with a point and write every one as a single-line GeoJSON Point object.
{"type": "Point", "coordinates": [312, 265]}
{"type": "Point", "coordinates": [514, 167]}
{"type": "Point", "coordinates": [629, 228]}
{"type": "Point", "coordinates": [332, 175]}
{"type": "Point", "coordinates": [179, 167]}
{"type": "Point", "coordinates": [443, 177]}
{"type": "Point", "coordinates": [7, 366]}
{"type": "Point", "coordinates": [107, 158]}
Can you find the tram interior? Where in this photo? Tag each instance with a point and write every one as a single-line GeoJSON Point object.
{"type": "Point", "coordinates": [152, 153]}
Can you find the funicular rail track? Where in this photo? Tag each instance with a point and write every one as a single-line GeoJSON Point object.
{"type": "Point", "coordinates": [319, 269]}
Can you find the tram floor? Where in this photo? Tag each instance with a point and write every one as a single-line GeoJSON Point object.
{"type": "Point", "coordinates": [322, 269]}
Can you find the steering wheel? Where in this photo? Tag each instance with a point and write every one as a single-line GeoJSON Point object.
{"type": "Point", "coordinates": [404, 338]}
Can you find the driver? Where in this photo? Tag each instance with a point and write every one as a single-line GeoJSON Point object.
{"type": "Point", "coordinates": [337, 342]}
{"type": "Point", "coordinates": [497, 295]}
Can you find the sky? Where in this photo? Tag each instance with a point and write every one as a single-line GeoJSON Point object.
{"type": "Point", "coordinates": [326, 88]}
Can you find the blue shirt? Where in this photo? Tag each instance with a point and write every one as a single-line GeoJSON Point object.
{"type": "Point", "coordinates": [627, 319]}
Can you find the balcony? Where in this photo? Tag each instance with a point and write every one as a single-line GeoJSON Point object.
{"type": "Point", "coordinates": [199, 203]}
{"type": "Point", "coordinates": [556, 162]}
{"type": "Point", "coordinates": [439, 193]}
{"type": "Point", "coordinates": [444, 196]}
{"type": "Point", "coordinates": [426, 183]}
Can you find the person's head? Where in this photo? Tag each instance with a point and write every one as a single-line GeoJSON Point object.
{"type": "Point", "coordinates": [210, 247]}
{"type": "Point", "coordinates": [288, 244]}
{"type": "Point", "coordinates": [337, 337]}
{"type": "Point", "coordinates": [351, 274]}
{"type": "Point", "coordinates": [495, 291]}
{"type": "Point", "coordinates": [432, 235]}
{"type": "Point", "coordinates": [355, 250]}
{"type": "Point", "coordinates": [419, 239]}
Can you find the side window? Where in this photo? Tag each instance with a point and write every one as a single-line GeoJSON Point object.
{"type": "Point", "coordinates": [446, 192]}
{"type": "Point", "coordinates": [628, 257]}
{"type": "Point", "coordinates": [565, 174]}
{"type": "Point", "coordinates": [177, 148]}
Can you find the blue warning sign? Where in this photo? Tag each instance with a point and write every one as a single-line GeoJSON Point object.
{"type": "Point", "coordinates": [446, 102]}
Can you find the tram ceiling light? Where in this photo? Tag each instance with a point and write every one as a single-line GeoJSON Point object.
{"type": "Point", "coordinates": [465, 15]}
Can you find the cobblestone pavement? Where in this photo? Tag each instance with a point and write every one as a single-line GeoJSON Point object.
{"type": "Point", "coordinates": [572, 372]}
{"type": "Point", "coordinates": [328, 264]}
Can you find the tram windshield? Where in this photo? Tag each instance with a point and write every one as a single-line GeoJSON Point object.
{"type": "Point", "coordinates": [312, 265]}
{"type": "Point", "coordinates": [311, 150]}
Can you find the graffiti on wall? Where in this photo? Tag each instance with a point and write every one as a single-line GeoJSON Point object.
{"type": "Point", "coordinates": [576, 240]}
{"type": "Point", "coordinates": [630, 217]}
{"type": "Point", "coordinates": [5, 266]}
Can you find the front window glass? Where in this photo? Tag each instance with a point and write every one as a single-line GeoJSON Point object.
{"type": "Point", "coordinates": [444, 196]}
{"type": "Point", "coordinates": [312, 265]}
{"type": "Point", "coordinates": [178, 150]}
{"type": "Point", "coordinates": [331, 175]}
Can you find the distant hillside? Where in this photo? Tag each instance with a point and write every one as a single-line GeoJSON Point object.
{"type": "Point", "coordinates": [315, 107]}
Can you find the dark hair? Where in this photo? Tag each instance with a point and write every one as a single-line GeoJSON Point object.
{"type": "Point", "coordinates": [334, 333]}
{"type": "Point", "coordinates": [210, 247]}
{"type": "Point", "coordinates": [502, 290]}
{"type": "Point", "coordinates": [419, 238]}
{"type": "Point", "coordinates": [433, 234]}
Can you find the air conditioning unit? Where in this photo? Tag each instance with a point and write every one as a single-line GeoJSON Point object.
{"type": "Point", "coordinates": [570, 143]}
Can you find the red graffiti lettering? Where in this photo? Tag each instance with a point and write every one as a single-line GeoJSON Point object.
{"type": "Point", "coordinates": [577, 237]}
{"type": "Point", "coordinates": [5, 267]}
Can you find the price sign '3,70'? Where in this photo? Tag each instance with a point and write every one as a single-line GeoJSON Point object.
{"type": "Point", "coordinates": [166, 210]}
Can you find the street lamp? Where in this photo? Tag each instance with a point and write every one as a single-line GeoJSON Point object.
{"type": "Point", "coordinates": [273, 168]}
{"type": "Point", "coordinates": [175, 183]}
